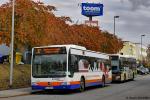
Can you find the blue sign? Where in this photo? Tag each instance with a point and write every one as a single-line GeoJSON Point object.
{"type": "Point", "coordinates": [92, 9]}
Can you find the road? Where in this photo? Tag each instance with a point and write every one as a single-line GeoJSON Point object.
{"type": "Point", "coordinates": [132, 90]}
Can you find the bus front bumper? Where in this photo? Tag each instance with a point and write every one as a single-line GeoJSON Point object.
{"type": "Point", "coordinates": [60, 87]}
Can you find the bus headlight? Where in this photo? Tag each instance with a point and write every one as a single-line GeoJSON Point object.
{"type": "Point", "coordinates": [34, 83]}
{"type": "Point", "coordinates": [64, 83]}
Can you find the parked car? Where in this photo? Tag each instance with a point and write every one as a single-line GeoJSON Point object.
{"type": "Point", "coordinates": [142, 70]}
{"type": "Point", "coordinates": [147, 70]}
{"type": "Point", "coordinates": [3, 58]}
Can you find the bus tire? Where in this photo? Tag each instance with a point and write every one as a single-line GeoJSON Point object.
{"type": "Point", "coordinates": [103, 81]}
{"type": "Point", "coordinates": [124, 77]}
{"type": "Point", "coordinates": [82, 84]}
{"type": "Point", "coordinates": [133, 77]}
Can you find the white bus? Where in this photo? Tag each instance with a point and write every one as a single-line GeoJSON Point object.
{"type": "Point", "coordinates": [68, 67]}
{"type": "Point", "coordinates": [123, 67]}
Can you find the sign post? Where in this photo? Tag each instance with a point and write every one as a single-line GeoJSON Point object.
{"type": "Point", "coordinates": [90, 10]}
{"type": "Point", "coordinates": [91, 23]}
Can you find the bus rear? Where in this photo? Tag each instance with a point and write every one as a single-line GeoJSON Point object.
{"type": "Point", "coordinates": [116, 72]}
{"type": "Point", "coordinates": [123, 68]}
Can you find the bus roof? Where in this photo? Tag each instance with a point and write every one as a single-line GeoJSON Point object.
{"type": "Point", "coordinates": [71, 46]}
{"type": "Point", "coordinates": [67, 46]}
{"type": "Point", "coordinates": [125, 56]}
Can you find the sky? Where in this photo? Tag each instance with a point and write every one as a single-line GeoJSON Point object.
{"type": "Point", "coordinates": [134, 17]}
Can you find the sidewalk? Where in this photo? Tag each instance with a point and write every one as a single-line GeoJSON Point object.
{"type": "Point", "coordinates": [15, 92]}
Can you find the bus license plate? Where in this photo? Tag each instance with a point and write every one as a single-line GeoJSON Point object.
{"type": "Point", "coordinates": [48, 87]}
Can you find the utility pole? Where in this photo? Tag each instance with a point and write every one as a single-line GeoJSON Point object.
{"type": "Point", "coordinates": [141, 48]}
{"type": "Point", "coordinates": [115, 24]}
{"type": "Point", "coordinates": [12, 44]}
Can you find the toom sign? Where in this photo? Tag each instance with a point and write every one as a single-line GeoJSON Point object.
{"type": "Point", "coordinates": [92, 9]}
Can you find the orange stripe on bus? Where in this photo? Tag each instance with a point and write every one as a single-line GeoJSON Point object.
{"type": "Point", "coordinates": [42, 83]}
{"type": "Point", "coordinates": [109, 78]}
{"type": "Point", "coordinates": [71, 83]}
{"type": "Point", "coordinates": [94, 80]}
{"type": "Point", "coordinates": [49, 84]}
{"type": "Point", "coordinates": [74, 82]}
{"type": "Point", "coordinates": [56, 83]}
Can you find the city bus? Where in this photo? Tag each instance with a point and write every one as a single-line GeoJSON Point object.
{"type": "Point", "coordinates": [68, 67]}
{"type": "Point", "coordinates": [123, 67]}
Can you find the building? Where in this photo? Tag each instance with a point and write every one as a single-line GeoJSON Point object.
{"type": "Point", "coordinates": [4, 50]}
{"type": "Point", "coordinates": [134, 50]}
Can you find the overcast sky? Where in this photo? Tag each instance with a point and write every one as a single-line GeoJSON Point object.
{"type": "Point", "coordinates": [134, 16]}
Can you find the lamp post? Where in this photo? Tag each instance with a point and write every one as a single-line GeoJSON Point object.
{"type": "Point", "coordinates": [12, 44]}
{"type": "Point", "coordinates": [141, 47]}
{"type": "Point", "coordinates": [115, 24]}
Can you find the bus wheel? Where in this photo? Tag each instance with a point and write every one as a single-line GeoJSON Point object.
{"type": "Point", "coordinates": [124, 77]}
{"type": "Point", "coordinates": [133, 77]}
{"type": "Point", "coordinates": [103, 81]}
{"type": "Point", "coordinates": [82, 84]}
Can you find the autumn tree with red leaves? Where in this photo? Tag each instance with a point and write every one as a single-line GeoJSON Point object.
{"type": "Point", "coordinates": [36, 25]}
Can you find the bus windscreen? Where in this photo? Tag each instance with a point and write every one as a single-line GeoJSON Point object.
{"type": "Point", "coordinates": [114, 57]}
{"type": "Point", "coordinates": [49, 62]}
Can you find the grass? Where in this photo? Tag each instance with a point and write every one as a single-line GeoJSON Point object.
{"type": "Point", "coordinates": [21, 76]}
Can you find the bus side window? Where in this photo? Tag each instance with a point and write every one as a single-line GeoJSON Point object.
{"type": "Point", "coordinates": [100, 64]}
{"type": "Point", "coordinates": [91, 64]}
{"type": "Point", "coordinates": [108, 65]}
{"type": "Point", "coordinates": [83, 63]}
{"type": "Point", "coordinates": [74, 63]}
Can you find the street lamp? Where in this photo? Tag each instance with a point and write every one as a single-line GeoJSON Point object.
{"type": "Point", "coordinates": [115, 24]}
{"type": "Point", "coordinates": [141, 47]}
{"type": "Point", "coordinates": [12, 44]}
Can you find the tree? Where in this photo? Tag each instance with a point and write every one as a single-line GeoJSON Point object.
{"type": "Point", "coordinates": [36, 25]}
{"type": "Point", "coordinates": [29, 21]}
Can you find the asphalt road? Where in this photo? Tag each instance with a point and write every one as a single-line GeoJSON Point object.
{"type": "Point", "coordinates": [132, 90]}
